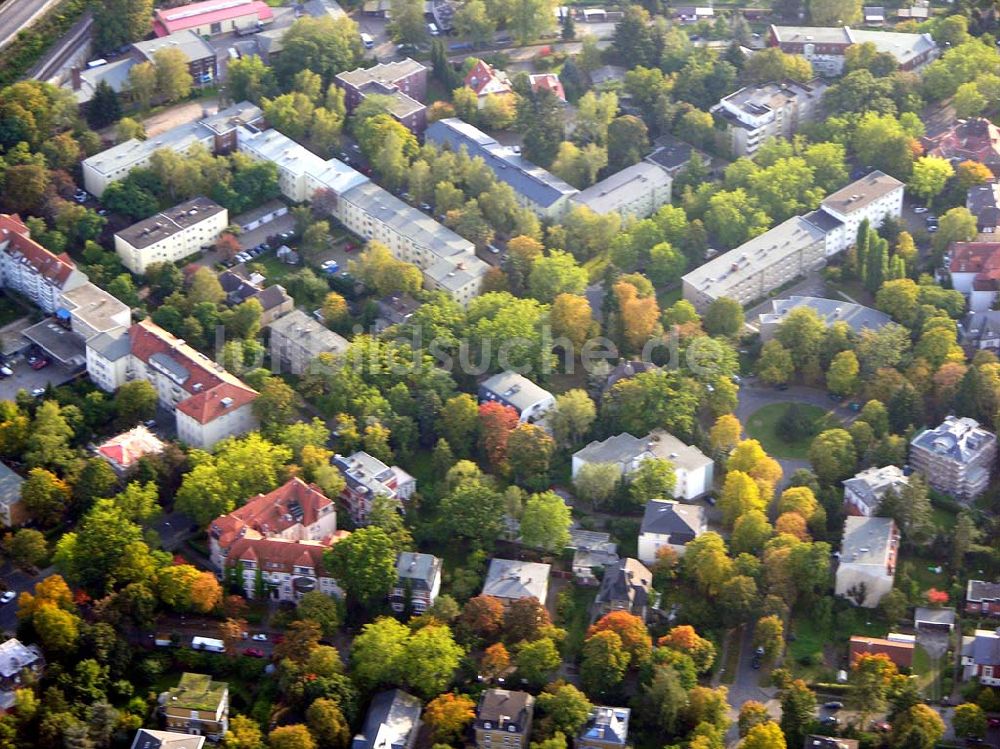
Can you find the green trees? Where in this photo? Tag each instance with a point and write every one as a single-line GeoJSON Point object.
{"type": "Point", "coordinates": [724, 317]}
{"type": "Point", "coordinates": [605, 661]}
{"type": "Point", "coordinates": [833, 456]}
{"type": "Point", "coordinates": [45, 496]}
{"type": "Point", "coordinates": [323, 45]}
{"type": "Point", "coordinates": [388, 653]}
{"type": "Point", "coordinates": [842, 376]}
{"type": "Point", "coordinates": [930, 175]}
{"type": "Point", "coordinates": [119, 22]}
{"type": "Point", "coordinates": [970, 720]}
{"type": "Point", "coordinates": [173, 79]}
{"type": "Point", "coordinates": [774, 65]}
{"type": "Point", "coordinates": [554, 274]}
{"type": "Point", "coordinates": [529, 19]}
{"type": "Point", "coordinates": [545, 522]}
{"type": "Point", "coordinates": [540, 119]}
{"type": "Point", "coordinates": [365, 564]}
{"type": "Point", "coordinates": [627, 142]}
{"type": "Point", "coordinates": [566, 707]}
{"type": "Point", "coordinates": [653, 479]}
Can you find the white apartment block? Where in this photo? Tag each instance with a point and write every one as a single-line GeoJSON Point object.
{"type": "Point", "coordinates": [758, 266]}
{"type": "Point", "coordinates": [867, 566]}
{"type": "Point", "coordinates": [209, 403]}
{"type": "Point", "coordinates": [172, 235]}
{"type": "Point", "coordinates": [873, 197]}
{"type": "Point", "coordinates": [768, 110]}
{"type": "Point", "coordinates": [636, 191]}
{"type": "Point", "coordinates": [957, 457]}
{"type": "Point", "coordinates": [31, 270]}
{"type": "Point", "coordinates": [215, 133]}
{"type": "Point", "coordinates": [799, 245]}
{"type": "Point", "coordinates": [448, 261]}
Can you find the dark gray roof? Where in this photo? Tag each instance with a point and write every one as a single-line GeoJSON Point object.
{"type": "Point", "coordinates": [979, 325]}
{"type": "Point", "coordinates": [983, 201]}
{"type": "Point", "coordinates": [960, 439]}
{"type": "Point", "coordinates": [110, 347]}
{"type": "Point", "coordinates": [934, 616]}
{"type": "Point", "coordinates": [823, 220]}
{"type": "Point", "coordinates": [986, 648]}
{"type": "Point", "coordinates": [527, 179]}
{"type": "Point", "coordinates": [628, 582]}
{"type": "Point", "coordinates": [669, 518]}
{"type": "Point", "coordinates": [391, 718]}
{"type": "Point", "coordinates": [171, 365]}
{"type": "Point", "coordinates": [259, 212]}
{"type": "Point", "coordinates": [515, 707]}
{"type": "Point", "coordinates": [980, 590]}
{"type": "Point", "coordinates": [272, 296]}
{"type": "Point", "coordinates": [671, 154]}
{"type": "Point", "coordinates": [157, 228]}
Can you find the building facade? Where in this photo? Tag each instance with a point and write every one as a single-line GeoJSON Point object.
{"type": "Point", "coordinates": [768, 110]}
{"type": "Point", "coordinates": [606, 728]}
{"type": "Point", "coordinates": [418, 582]}
{"type": "Point", "coordinates": [957, 457]}
{"type": "Point", "coordinates": [825, 47]}
{"type": "Point", "coordinates": [636, 191]}
{"type": "Point", "coordinates": [864, 492]}
{"type": "Point", "coordinates": [872, 198]}
{"type": "Point", "coordinates": [209, 403]}
{"type": "Point", "coordinates": [867, 565]}
{"type": "Point", "coordinates": [626, 586]}
{"type": "Point", "coordinates": [212, 17]}
{"type": "Point", "coordinates": [368, 477]}
{"type": "Point", "coordinates": [975, 271]}
{"type": "Point", "coordinates": [197, 705]}
{"type": "Point", "coordinates": [982, 597]}
{"type": "Point", "coordinates": [31, 270]}
{"type": "Point", "coordinates": [184, 230]}
{"type": "Point", "coordinates": [503, 719]}
{"type": "Point", "coordinates": [404, 82]}
{"type": "Point", "coordinates": [296, 339]}
{"type": "Point", "coordinates": [295, 511]}
{"type": "Point", "coordinates": [281, 569]}
{"type": "Point", "coordinates": [693, 469]}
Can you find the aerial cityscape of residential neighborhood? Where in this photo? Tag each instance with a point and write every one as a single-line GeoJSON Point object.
{"type": "Point", "coordinates": [453, 374]}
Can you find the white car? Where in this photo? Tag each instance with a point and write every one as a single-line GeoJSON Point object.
{"type": "Point", "coordinates": [261, 637]}
{"type": "Point", "coordinates": [920, 209]}
{"type": "Point", "coordinates": [8, 596]}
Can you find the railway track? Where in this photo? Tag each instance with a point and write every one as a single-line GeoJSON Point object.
{"type": "Point", "coordinates": [64, 50]}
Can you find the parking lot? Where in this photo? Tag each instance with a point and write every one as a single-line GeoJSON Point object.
{"type": "Point", "coordinates": [26, 378]}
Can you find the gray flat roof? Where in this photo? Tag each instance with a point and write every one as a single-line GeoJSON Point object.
{"type": "Point", "coordinates": [64, 345]}
{"type": "Point", "coordinates": [623, 187]}
{"type": "Point", "coordinates": [515, 389]}
{"type": "Point", "coordinates": [812, 34]}
{"type": "Point", "coordinates": [386, 72]}
{"type": "Point", "coordinates": [188, 42]}
{"type": "Point", "coordinates": [157, 228]}
{"type": "Point", "coordinates": [100, 310]}
{"type": "Point", "coordinates": [860, 193]}
{"type": "Point", "coordinates": [308, 332]}
{"type": "Point", "coordinates": [10, 485]}
{"type": "Point", "coordinates": [752, 256]}
{"type": "Point", "coordinates": [133, 151]}
{"type": "Point", "coordinates": [830, 311]}
{"type": "Point", "coordinates": [866, 540]}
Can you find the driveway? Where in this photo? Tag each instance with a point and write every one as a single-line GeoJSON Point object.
{"type": "Point", "coordinates": [754, 396]}
{"type": "Point", "coordinates": [746, 687]}
{"type": "Point", "coordinates": [26, 378]}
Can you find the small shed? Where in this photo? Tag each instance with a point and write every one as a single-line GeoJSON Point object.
{"type": "Point", "coordinates": [934, 620]}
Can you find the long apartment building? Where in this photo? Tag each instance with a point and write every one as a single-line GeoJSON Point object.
{"type": "Point", "coordinates": [534, 187]}
{"type": "Point", "coordinates": [172, 235]}
{"type": "Point", "coordinates": [957, 457]}
{"type": "Point", "coordinates": [31, 270]}
{"type": "Point", "coordinates": [797, 246]}
{"type": "Point", "coordinates": [825, 47]}
{"type": "Point", "coordinates": [448, 261]}
{"type": "Point", "coordinates": [768, 110]}
{"type": "Point", "coordinates": [217, 133]}
{"type": "Point", "coordinates": [210, 403]}
{"type": "Point", "coordinates": [636, 191]}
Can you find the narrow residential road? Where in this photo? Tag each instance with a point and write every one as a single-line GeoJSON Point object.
{"type": "Point", "coordinates": [19, 582]}
{"type": "Point", "coordinates": [16, 15]}
{"type": "Point", "coordinates": [746, 687]}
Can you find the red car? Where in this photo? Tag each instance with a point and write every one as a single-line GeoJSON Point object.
{"type": "Point", "coordinates": [39, 363]}
{"type": "Point", "coordinates": [254, 653]}
{"type": "Point", "coordinates": [993, 722]}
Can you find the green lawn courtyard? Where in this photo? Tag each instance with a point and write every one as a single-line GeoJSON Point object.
{"type": "Point", "coordinates": [763, 427]}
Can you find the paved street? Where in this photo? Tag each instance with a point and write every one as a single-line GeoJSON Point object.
{"type": "Point", "coordinates": [746, 687]}
{"type": "Point", "coordinates": [17, 15]}
{"type": "Point", "coordinates": [18, 581]}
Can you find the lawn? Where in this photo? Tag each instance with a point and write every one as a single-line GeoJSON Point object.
{"type": "Point", "coordinates": [811, 633]}
{"type": "Point", "coordinates": [763, 426]}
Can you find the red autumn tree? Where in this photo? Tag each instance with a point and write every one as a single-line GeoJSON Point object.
{"type": "Point", "coordinates": [632, 631]}
{"type": "Point", "coordinates": [524, 620]}
{"type": "Point", "coordinates": [936, 597]}
{"type": "Point", "coordinates": [495, 661]}
{"type": "Point", "coordinates": [496, 422]}
{"type": "Point", "coordinates": [482, 616]}
{"type": "Point", "coordinates": [227, 245]}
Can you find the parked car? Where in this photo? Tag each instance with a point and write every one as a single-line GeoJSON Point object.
{"type": "Point", "coordinates": [830, 721]}
{"type": "Point", "coordinates": [8, 596]}
{"type": "Point", "coordinates": [38, 392]}
{"type": "Point", "coordinates": [834, 705]}
{"type": "Point", "coordinates": [5, 371]}
{"type": "Point", "coordinates": [920, 209]}
{"type": "Point", "coordinates": [781, 386]}
{"type": "Point", "coordinates": [259, 637]}
{"type": "Point", "coordinates": [330, 267]}
{"type": "Point", "coordinates": [254, 653]}
{"type": "Point", "coordinates": [40, 363]}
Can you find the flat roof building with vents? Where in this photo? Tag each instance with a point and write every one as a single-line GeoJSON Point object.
{"type": "Point", "coordinates": [759, 266]}
{"type": "Point", "coordinates": [637, 190]}
{"type": "Point", "coordinates": [367, 477]}
{"type": "Point", "coordinates": [177, 233]}
{"type": "Point", "coordinates": [830, 311]}
{"type": "Point", "coordinates": [297, 339]}
{"type": "Point", "coordinates": [867, 565]}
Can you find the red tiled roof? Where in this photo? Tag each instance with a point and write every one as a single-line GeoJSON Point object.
{"type": "Point", "coordinates": [268, 513]}
{"type": "Point", "coordinates": [480, 76]}
{"type": "Point", "coordinates": [548, 81]}
{"type": "Point", "coordinates": [56, 268]}
{"type": "Point", "coordinates": [900, 653]}
{"type": "Point", "coordinates": [127, 448]}
{"type": "Point", "coordinates": [209, 405]}
{"type": "Point", "coordinates": [172, 20]}
{"type": "Point", "coordinates": [280, 555]}
{"type": "Point", "coordinates": [981, 258]}
{"type": "Point", "coordinates": [976, 139]}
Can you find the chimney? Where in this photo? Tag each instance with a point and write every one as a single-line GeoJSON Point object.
{"type": "Point", "coordinates": [77, 80]}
